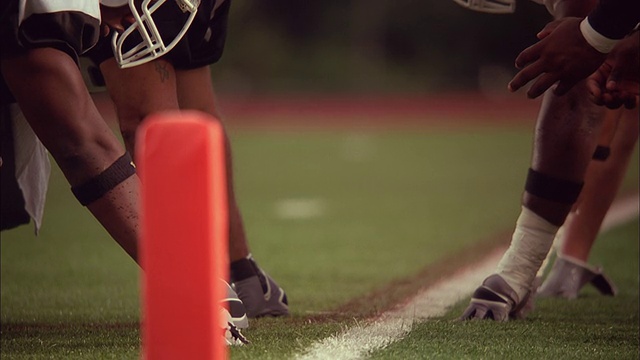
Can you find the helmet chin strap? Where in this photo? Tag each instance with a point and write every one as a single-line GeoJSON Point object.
{"type": "Point", "coordinates": [152, 45]}
{"type": "Point", "coordinates": [489, 6]}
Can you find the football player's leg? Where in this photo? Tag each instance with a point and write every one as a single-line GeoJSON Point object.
{"type": "Point", "coordinates": [603, 179]}
{"type": "Point", "coordinates": [571, 270]}
{"type": "Point", "coordinates": [138, 92]}
{"type": "Point", "coordinates": [156, 86]}
{"type": "Point", "coordinates": [195, 92]}
{"type": "Point", "coordinates": [49, 88]}
{"type": "Point", "coordinates": [260, 293]}
{"type": "Point", "coordinates": [565, 139]}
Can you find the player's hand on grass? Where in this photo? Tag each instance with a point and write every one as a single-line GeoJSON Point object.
{"type": "Point", "coordinates": [561, 56]}
{"type": "Point", "coordinates": [496, 300]}
{"type": "Point", "coordinates": [486, 310]}
{"type": "Point", "coordinates": [493, 300]}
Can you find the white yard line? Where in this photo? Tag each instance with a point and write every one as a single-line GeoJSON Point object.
{"type": "Point", "coordinates": [434, 301]}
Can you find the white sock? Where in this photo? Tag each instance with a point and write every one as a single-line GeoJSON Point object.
{"type": "Point", "coordinates": [530, 244]}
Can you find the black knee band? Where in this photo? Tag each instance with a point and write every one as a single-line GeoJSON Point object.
{"type": "Point", "coordinates": [94, 189]}
{"type": "Point", "coordinates": [551, 188]}
{"type": "Point", "coordinates": [601, 153]}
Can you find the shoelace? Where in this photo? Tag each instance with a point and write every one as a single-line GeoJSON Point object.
{"type": "Point", "coordinates": [236, 335]}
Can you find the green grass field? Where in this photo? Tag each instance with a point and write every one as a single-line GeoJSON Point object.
{"type": "Point", "coordinates": [387, 206]}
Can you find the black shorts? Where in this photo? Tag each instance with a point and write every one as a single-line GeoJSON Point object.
{"type": "Point", "coordinates": [73, 32]}
{"type": "Point", "coordinates": [202, 45]}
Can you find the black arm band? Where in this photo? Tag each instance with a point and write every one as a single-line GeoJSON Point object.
{"type": "Point", "coordinates": [602, 153]}
{"type": "Point", "coordinates": [550, 188]}
{"type": "Point", "coordinates": [95, 188]}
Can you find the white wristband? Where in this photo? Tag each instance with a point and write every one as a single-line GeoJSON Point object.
{"type": "Point", "coordinates": [114, 3]}
{"type": "Point", "coordinates": [598, 41]}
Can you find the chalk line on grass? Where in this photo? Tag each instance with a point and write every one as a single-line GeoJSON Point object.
{"type": "Point", "coordinates": [434, 301]}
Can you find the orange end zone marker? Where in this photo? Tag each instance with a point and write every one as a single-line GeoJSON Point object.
{"type": "Point", "coordinates": [183, 246]}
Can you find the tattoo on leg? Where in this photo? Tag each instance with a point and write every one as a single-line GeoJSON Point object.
{"type": "Point", "coordinates": [161, 68]}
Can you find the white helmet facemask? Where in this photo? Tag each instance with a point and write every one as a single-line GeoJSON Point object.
{"type": "Point", "coordinates": [489, 6]}
{"type": "Point", "coordinates": [152, 45]}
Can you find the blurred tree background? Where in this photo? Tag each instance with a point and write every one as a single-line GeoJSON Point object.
{"type": "Point", "coordinates": [294, 46]}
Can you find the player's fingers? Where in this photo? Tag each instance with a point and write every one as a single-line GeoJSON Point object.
{"type": "Point", "coordinates": [612, 101]}
{"type": "Point", "coordinates": [500, 317]}
{"type": "Point", "coordinates": [525, 75]}
{"type": "Point", "coordinates": [599, 78]}
{"type": "Point", "coordinates": [614, 74]}
{"type": "Point", "coordinates": [603, 74]}
{"type": "Point", "coordinates": [104, 30]}
{"type": "Point", "coordinates": [481, 313]}
{"type": "Point", "coordinates": [529, 55]}
{"type": "Point", "coordinates": [468, 314]}
{"type": "Point", "coordinates": [595, 96]}
{"type": "Point", "coordinates": [611, 85]}
{"type": "Point", "coordinates": [128, 20]}
{"type": "Point", "coordinates": [548, 29]}
{"type": "Point", "coordinates": [541, 85]}
{"type": "Point", "coordinates": [593, 87]}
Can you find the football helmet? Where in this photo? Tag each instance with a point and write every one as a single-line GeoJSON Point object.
{"type": "Point", "coordinates": [150, 44]}
{"type": "Point", "coordinates": [489, 6]}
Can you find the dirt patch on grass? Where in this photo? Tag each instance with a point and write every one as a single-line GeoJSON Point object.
{"type": "Point", "coordinates": [401, 290]}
